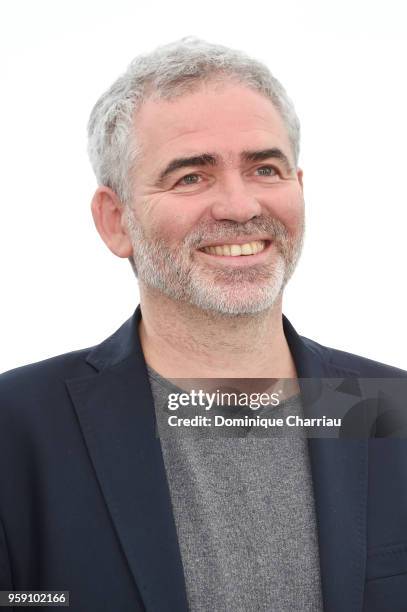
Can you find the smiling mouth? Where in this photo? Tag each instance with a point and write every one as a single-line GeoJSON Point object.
{"type": "Point", "coordinates": [237, 250]}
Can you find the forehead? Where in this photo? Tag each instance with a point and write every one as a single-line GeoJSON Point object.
{"type": "Point", "coordinates": [224, 119]}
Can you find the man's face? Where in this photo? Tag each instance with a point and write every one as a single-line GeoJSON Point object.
{"type": "Point", "coordinates": [216, 170]}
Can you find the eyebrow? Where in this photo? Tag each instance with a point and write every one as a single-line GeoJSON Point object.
{"type": "Point", "coordinates": [274, 153]}
{"type": "Point", "coordinates": [211, 159]}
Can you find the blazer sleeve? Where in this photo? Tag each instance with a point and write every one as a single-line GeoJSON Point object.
{"type": "Point", "coordinates": [5, 571]}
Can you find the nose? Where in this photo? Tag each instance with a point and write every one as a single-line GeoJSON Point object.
{"type": "Point", "coordinates": [235, 202]}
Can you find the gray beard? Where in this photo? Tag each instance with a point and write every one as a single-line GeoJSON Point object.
{"type": "Point", "coordinates": [224, 291]}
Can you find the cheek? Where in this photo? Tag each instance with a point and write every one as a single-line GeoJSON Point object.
{"type": "Point", "coordinates": [173, 228]}
{"type": "Point", "coordinates": [165, 219]}
{"type": "Point", "coordinates": [289, 209]}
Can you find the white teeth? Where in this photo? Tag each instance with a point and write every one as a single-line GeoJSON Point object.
{"type": "Point", "coordinates": [246, 249]}
{"type": "Point", "coordinates": [235, 250]}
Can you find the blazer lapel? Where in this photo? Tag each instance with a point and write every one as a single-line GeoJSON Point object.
{"type": "Point", "coordinates": [339, 471]}
{"type": "Point", "coordinates": [116, 413]}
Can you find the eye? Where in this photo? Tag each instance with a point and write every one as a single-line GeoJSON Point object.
{"type": "Point", "coordinates": [189, 179]}
{"type": "Point", "coordinates": [267, 171]}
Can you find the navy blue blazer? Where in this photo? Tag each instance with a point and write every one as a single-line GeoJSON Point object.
{"type": "Point", "coordinates": [85, 504]}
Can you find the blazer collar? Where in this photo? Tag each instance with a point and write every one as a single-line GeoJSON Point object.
{"type": "Point", "coordinates": [116, 413]}
{"type": "Point", "coordinates": [340, 476]}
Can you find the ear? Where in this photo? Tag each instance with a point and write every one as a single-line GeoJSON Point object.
{"type": "Point", "coordinates": [107, 212]}
{"type": "Point", "coordinates": [300, 176]}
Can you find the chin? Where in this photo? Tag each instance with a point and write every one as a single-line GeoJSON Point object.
{"type": "Point", "coordinates": [227, 304]}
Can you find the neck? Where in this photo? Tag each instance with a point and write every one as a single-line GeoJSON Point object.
{"type": "Point", "coordinates": [182, 341]}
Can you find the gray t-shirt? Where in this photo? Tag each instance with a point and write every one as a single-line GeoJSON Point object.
{"type": "Point", "coordinates": [244, 511]}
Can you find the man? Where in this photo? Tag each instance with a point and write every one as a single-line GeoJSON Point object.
{"type": "Point", "coordinates": [195, 149]}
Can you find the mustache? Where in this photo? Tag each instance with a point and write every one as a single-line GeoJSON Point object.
{"type": "Point", "coordinates": [227, 230]}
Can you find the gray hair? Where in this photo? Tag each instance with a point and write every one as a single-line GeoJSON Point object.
{"type": "Point", "coordinates": [168, 72]}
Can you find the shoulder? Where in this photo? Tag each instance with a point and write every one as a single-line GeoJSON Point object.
{"type": "Point", "coordinates": [355, 364]}
{"type": "Point", "coordinates": [38, 386]}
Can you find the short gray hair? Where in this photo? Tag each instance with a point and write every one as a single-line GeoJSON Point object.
{"type": "Point", "coordinates": [167, 72]}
